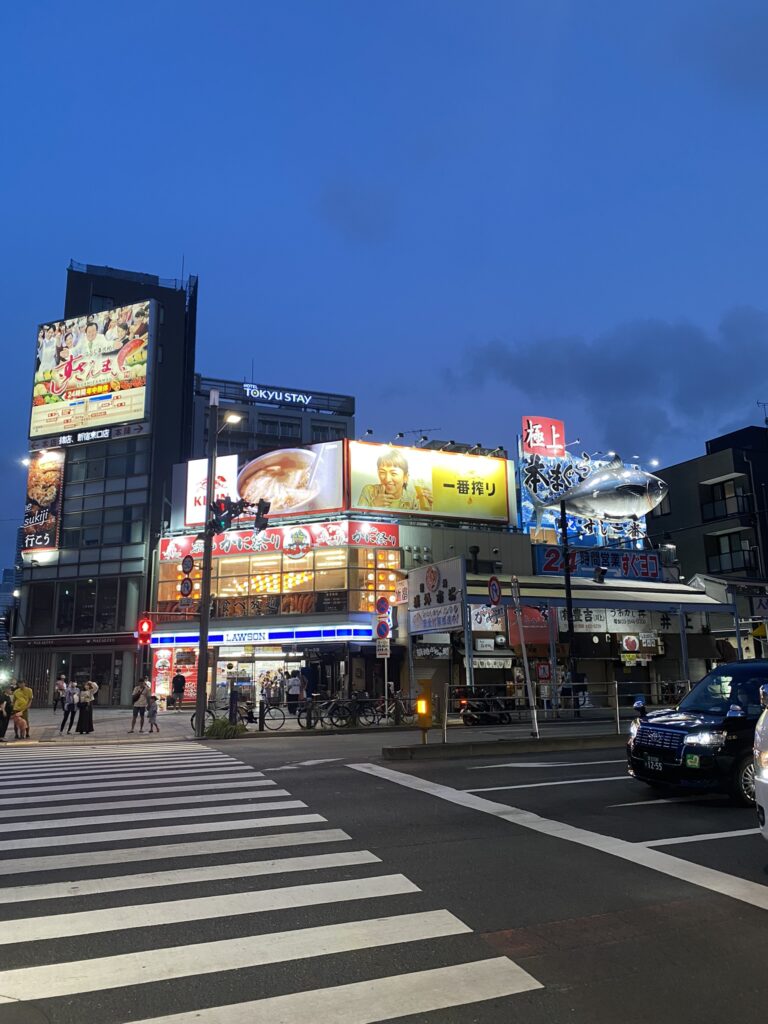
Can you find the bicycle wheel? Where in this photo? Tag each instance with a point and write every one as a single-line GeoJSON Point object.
{"type": "Point", "coordinates": [339, 716]}
{"type": "Point", "coordinates": [366, 716]}
{"type": "Point", "coordinates": [274, 718]}
{"type": "Point", "coordinates": [409, 714]}
{"type": "Point", "coordinates": [209, 717]}
{"type": "Point", "coordinates": [302, 717]}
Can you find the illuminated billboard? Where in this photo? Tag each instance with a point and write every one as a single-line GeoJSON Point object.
{"type": "Point", "coordinates": [91, 371]}
{"type": "Point", "coordinates": [296, 481]}
{"type": "Point", "coordinates": [424, 482]}
{"type": "Point", "coordinates": [42, 511]}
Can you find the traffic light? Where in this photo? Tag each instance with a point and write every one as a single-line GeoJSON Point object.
{"type": "Point", "coordinates": [144, 629]}
{"type": "Point", "coordinates": [262, 511]}
{"type": "Point", "coordinates": [223, 513]}
{"type": "Point", "coordinates": [424, 704]}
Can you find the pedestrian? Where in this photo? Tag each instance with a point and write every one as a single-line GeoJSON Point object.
{"type": "Point", "coordinates": [178, 683]}
{"type": "Point", "coordinates": [292, 692]}
{"type": "Point", "coordinates": [6, 710]}
{"type": "Point", "coordinates": [59, 689]}
{"type": "Point", "coordinates": [71, 701]}
{"type": "Point", "coordinates": [85, 714]}
{"type": "Point", "coordinates": [140, 699]}
{"type": "Point", "coordinates": [152, 713]}
{"type": "Point", "coordinates": [22, 699]}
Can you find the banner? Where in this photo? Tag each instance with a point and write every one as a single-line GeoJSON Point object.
{"type": "Point", "coordinates": [295, 481]}
{"type": "Point", "coordinates": [622, 565]}
{"type": "Point", "coordinates": [42, 511]}
{"type": "Point", "coordinates": [535, 620]}
{"type": "Point", "coordinates": [436, 597]}
{"type": "Point", "coordinates": [423, 482]}
{"type": "Point", "coordinates": [91, 371]}
{"type": "Point", "coordinates": [293, 541]}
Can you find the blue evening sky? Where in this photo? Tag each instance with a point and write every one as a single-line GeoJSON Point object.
{"type": "Point", "coordinates": [457, 211]}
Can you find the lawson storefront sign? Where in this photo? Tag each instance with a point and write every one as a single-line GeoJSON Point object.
{"type": "Point", "coordinates": [618, 564]}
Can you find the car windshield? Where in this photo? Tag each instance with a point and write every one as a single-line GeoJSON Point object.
{"type": "Point", "coordinates": [724, 687]}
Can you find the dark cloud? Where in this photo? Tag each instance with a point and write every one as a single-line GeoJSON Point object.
{"type": "Point", "coordinates": [359, 213]}
{"type": "Point", "coordinates": [643, 387]}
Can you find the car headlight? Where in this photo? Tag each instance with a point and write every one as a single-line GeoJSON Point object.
{"type": "Point", "coordinates": [633, 729]}
{"type": "Point", "coordinates": [761, 760]}
{"type": "Point", "coordinates": [705, 739]}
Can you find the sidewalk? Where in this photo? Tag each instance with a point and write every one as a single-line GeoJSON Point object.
{"type": "Point", "coordinates": [110, 725]}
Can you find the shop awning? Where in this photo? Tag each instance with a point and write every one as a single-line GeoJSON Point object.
{"type": "Point", "coordinates": [550, 590]}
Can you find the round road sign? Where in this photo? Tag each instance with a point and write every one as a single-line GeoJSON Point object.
{"type": "Point", "coordinates": [187, 564]}
{"type": "Point", "coordinates": [185, 587]}
{"type": "Point", "coordinates": [382, 606]}
{"type": "Point", "coordinates": [494, 590]}
{"type": "Point", "coordinates": [382, 629]}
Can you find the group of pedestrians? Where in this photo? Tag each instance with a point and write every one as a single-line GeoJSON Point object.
{"type": "Point", "coordinates": [15, 702]}
{"type": "Point", "coordinates": [144, 704]}
{"type": "Point", "coordinates": [76, 700]}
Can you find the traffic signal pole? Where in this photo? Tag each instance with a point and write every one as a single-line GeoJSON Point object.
{"type": "Point", "coordinates": [205, 583]}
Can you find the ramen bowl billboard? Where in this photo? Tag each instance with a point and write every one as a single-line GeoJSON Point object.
{"type": "Point", "coordinates": [424, 482]}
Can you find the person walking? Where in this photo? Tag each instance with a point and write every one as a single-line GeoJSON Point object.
{"type": "Point", "coordinates": [140, 698]}
{"type": "Point", "coordinates": [59, 689]}
{"type": "Point", "coordinates": [71, 700]}
{"type": "Point", "coordinates": [6, 710]}
{"type": "Point", "coordinates": [85, 714]}
{"type": "Point", "coordinates": [152, 714]}
{"type": "Point", "coordinates": [178, 683]}
{"type": "Point", "coordinates": [22, 699]}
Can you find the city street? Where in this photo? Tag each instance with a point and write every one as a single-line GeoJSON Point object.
{"type": "Point", "coordinates": [311, 881]}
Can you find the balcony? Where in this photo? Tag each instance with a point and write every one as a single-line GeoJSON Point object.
{"type": "Point", "coordinates": [738, 504]}
{"type": "Point", "coordinates": [733, 561]}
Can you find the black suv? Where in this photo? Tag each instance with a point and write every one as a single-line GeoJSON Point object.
{"type": "Point", "coordinates": [706, 741]}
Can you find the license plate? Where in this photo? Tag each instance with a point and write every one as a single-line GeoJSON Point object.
{"type": "Point", "coordinates": [653, 764]}
{"type": "Point", "coordinates": [692, 760]}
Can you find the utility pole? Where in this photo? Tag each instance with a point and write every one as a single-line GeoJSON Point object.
{"type": "Point", "coordinates": [568, 602]}
{"type": "Point", "coordinates": [205, 585]}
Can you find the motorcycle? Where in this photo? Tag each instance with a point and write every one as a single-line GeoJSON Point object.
{"type": "Point", "coordinates": [483, 710]}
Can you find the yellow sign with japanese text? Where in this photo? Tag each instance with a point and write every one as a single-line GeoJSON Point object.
{"type": "Point", "coordinates": [424, 482]}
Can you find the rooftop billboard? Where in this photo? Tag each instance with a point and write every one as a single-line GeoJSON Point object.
{"type": "Point", "coordinates": [91, 371]}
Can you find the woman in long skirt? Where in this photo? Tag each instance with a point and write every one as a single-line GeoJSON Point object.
{"type": "Point", "coordinates": [85, 713]}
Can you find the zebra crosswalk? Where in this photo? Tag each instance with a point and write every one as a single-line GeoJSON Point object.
{"type": "Point", "coordinates": [166, 885]}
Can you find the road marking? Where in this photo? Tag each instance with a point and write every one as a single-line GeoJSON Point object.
{"type": "Point", "coordinates": [753, 893]}
{"type": "Point", "coordinates": [128, 969]}
{"type": "Point", "coordinates": [171, 801]}
{"type": "Point", "coordinates": [155, 779]}
{"type": "Point", "coordinates": [190, 876]}
{"type": "Point", "coordinates": [561, 782]}
{"type": "Point", "coordinates": [667, 800]}
{"type": "Point", "coordinates": [702, 837]}
{"type": "Point", "coordinates": [304, 764]}
{"type": "Point", "coordinates": [155, 771]}
{"type": "Point", "coordinates": [369, 1002]}
{"type": "Point", "coordinates": [57, 863]}
{"type": "Point", "coordinates": [54, 824]}
{"type": "Point", "coordinates": [545, 764]}
{"type": "Point", "coordinates": [37, 766]}
{"type": "Point", "coordinates": [55, 772]}
{"type": "Point", "coordinates": [171, 912]}
{"type": "Point", "coordinates": [196, 787]}
{"type": "Point", "coordinates": [99, 750]}
{"type": "Point", "coordinates": [165, 830]}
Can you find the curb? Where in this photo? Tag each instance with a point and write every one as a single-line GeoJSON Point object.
{"type": "Point", "coordinates": [490, 748]}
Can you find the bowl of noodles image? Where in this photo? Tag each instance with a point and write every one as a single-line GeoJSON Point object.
{"type": "Point", "coordinates": [285, 478]}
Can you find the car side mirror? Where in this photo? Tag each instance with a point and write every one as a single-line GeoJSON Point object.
{"type": "Point", "coordinates": [764, 695]}
{"type": "Point", "coordinates": [736, 711]}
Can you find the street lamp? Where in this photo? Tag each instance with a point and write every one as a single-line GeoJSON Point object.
{"type": "Point", "coordinates": [205, 584]}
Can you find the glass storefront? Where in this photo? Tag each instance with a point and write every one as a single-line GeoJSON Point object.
{"type": "Point", "coordinates": [245, 586]}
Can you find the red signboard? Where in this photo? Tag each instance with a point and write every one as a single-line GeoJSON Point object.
{"type": "Point", "coordinates": [543, 436]}
{"type": "Point", "coordinates": [535, 625]}
{"type": "Point", "coordinates": [293, 541]}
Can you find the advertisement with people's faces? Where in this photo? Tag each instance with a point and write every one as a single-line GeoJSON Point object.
{"type": "Point", "coordinates": [91, 371]}
{"type": "Point", "coordinates": [424, 482]}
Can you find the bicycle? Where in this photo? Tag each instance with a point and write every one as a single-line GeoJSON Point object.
{"type": "Point", "coordinates": [214, 711]}
{"type": "Point", "coordinates": [395, 707]}
{"type": "Point", "coordinates": [274, 716]}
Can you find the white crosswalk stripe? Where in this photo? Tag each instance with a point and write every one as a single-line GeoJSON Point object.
{"type": "Point", "coordinates": [203, 895]}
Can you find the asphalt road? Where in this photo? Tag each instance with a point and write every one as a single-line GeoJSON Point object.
{"type": "Point", "coordinates": [305, 881]}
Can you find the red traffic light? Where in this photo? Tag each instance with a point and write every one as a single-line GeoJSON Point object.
{"type": "Point", "coordinates": [144, 628]}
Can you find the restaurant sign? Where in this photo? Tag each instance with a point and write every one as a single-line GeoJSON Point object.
{"type": "Point", "coordinates": [293, 541]}
{"type": "Point", "coordinates": [622, 565]}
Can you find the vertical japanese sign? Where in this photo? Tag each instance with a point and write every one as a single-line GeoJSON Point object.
{"type": "Point", "coordinates": [42, 512]}
{"type": "Point", "coordinates": [543, 436]}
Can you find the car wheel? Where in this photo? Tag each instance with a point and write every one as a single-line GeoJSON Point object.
{"type": "Point", "coordinates": [743, 782]}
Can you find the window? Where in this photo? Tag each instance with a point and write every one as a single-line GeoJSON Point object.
{"type": "Point", "coordinates": [106, 608]}
{"type": "Point", "coordinates": [65, 609]}
{"type": "Point", "coordinates": [41, 597]}
{"type": "Point", "coordinates": [85, 606]}
{"type": "Point", "coordinates": [101, 303]}
{"type": "Point", "coordinates": [663, 508]}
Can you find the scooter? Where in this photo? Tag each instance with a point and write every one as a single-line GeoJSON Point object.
{"type": "Point", "coordinates": [483, 711]}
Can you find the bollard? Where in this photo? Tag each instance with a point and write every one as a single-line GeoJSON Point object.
{"type": "Point", "coordinates": [618, 716]}
{"type": "Point", "coordinates": [262, 711]}
{"type": "Point", "coordinates": [233, 702]}
{"type": "Point", "coordinates": [310, 718]}
{"type": "Point", "coordinates": [398, 711]}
